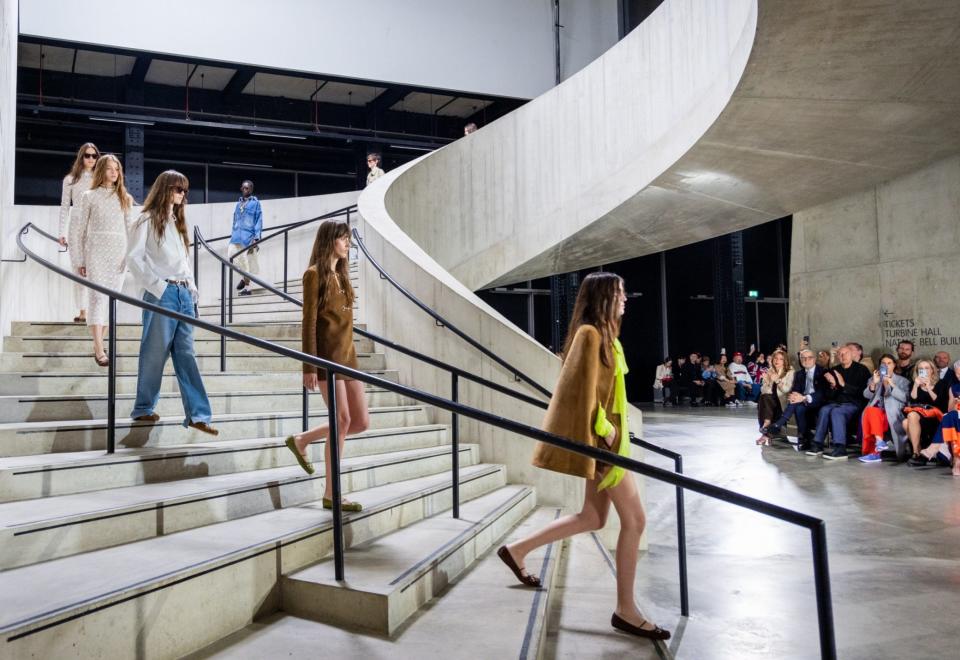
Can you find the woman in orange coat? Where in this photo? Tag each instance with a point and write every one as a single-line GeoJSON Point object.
{"type": "Point", "coordinates": [589, 406]}
{"type": "Point", "coordinates": [328, 333]}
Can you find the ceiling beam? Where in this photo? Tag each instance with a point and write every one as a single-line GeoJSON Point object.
{"type": "Point", "coordinates": [238, 83]}
{"type": "Point", "coordinates": [388, 98]}
{"type": "Point", "coordinates": [140, 67]}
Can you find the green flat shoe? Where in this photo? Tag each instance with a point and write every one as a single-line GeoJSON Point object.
{"type": "Point", "coordinates": [301, 459]}
{"type": "Point", "coordinates": [345, 505]}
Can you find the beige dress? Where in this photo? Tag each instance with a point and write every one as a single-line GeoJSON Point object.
{"type": "Point", "coordinates": [69, 207]}
{"type": "Point", "coordinates": [102, 246]}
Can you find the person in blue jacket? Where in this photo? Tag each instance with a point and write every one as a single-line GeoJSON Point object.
{"type": "Point", "coordinates": [247, 225]}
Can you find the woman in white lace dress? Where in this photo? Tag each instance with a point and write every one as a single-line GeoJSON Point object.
{"type": "Point", "coordinates": [106, 212]}
{"type": "Point", "coordinates": [76, 183]}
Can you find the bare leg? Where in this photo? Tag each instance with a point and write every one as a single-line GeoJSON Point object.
{"type": "Point", "coordinates": [629, 508]}
{"type": "Point", "coordinates": [97, 331]}
{"type": "Point", "coordinates": [912, 426]}
{"type": "Point", "coordinates": [593, 515]}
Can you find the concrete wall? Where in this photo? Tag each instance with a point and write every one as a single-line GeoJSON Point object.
{"type": "Point", "coordinates": [20, 282]}
{"type": "Point", "coordinates": [876, 266]}
{"type": "Point", "coordinates": [501, 47]}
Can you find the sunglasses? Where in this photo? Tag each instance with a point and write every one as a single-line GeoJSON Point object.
{"type": "Point", "coordinates": [89, 155]}
{"type": "Point", "coordinates": [180, 189]}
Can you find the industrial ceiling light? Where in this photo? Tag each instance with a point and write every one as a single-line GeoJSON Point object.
{"type": "Point", "coordinates": [277, 135]}
{"type": "Point", "coordinates": [122, 121]}
{"type": "Point", "coordinates": [266, 167]}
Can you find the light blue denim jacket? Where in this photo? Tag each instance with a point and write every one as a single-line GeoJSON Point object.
{"type": "Point", "coordinates": [247, 221]}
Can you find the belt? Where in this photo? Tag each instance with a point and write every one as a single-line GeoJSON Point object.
{"type": "Point", "coordinates": [179, 282]}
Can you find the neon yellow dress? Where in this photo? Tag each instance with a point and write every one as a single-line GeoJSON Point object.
{"type": "Point", "coordinates": [603, 426]}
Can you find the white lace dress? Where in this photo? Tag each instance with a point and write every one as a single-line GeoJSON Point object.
{"type": "Point", "coordinates": [102, 245]}
{"type": "Point", "coordinates": [69, 207]}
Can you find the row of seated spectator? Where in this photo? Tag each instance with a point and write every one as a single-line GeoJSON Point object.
{"type": "Point", "coordinates": [703, 382]}
{"type": "Point", "coordinates": [911, 402]}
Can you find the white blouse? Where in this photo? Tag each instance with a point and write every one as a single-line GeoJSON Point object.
{"type": "Point", "coordinates": [70, 196]}
{"type": "Point", "coordinates": [152, 262]}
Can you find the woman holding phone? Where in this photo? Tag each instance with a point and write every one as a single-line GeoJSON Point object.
{"type": "Point", "coordinates": [924, 408]}
{"type": "Point", "coordinates": [887, 394]}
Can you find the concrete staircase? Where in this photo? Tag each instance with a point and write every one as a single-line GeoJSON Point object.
{"type": "Point", "coordinates": [179, 540]}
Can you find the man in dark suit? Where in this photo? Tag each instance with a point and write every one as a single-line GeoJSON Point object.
{"type": "Point", "coordinates": [806, 397]}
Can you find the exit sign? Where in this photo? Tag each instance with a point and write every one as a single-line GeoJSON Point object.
{"type": "Point", "coordinates": [752, 293]}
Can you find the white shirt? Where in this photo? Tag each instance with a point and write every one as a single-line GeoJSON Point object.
{"type": "Point", "coordinates": [153, 262]}
{"type": "Point", "coordinates": [739, 372]}
{"type": "Point", "coordinates": [943, 373]}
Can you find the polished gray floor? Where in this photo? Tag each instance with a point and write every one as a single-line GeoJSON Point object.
{"type": "Point", "coordinates": [893, 536]}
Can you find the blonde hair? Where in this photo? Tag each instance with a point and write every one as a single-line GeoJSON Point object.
{"type": "Point", "coordinates": [933, 373]}
{"type": "Point", "coordinates": [786, 361]}
{"type": "Point", "coordinates": [77, 168]}
{"type": "Point", "coordinates": [100, 179]}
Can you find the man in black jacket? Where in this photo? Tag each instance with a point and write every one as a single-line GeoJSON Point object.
{"type": "Point", "coordinates": [805, 398]}
{"type": "Point", "coordinates": [847, 381]}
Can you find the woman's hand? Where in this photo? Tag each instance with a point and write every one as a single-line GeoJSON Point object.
{"type": "Point", "coordinates": [888, 383]}
{"type": "Point", "coordinates": [876, 378]}
{"type": "Point", "coordinates": [611, 438]}
{"type": "Point", "coordinates": [83, 271]}
{"type": "Point", "coordinates": [62, 241]}
{"type": "Point", "coordinates": [310, 382]}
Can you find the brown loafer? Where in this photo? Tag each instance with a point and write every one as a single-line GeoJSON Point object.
{"type": "Point", "coordinates": [526, 580]}
{"type": "Point", "coordinates": [152, 417]}
{"type": "Point", "coordinates": [203, 427]}
{"type": "Point", "coordinates": [656, 633]}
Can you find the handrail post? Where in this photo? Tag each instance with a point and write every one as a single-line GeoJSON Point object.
{"type": "Point", "coordinates": [682, 541]}
{"type": "Point", "coordinates": [112, 379]}
{"type": "Point", "coordinates": [230, 292]}
{"type": "Point", "coordinates": [455, 444]}
{"type": "Point", "coordinates": [286, 236]}
{"type": "Point", "coordinates": [223, 316]}
{"type": "Point", "coordinates": [821, 577]}
{"type": "Point", "coordinates": [196, 259]}
{"type": "Point", "coordinates": [305, 408]}
{"type": "Point", "coordinates": [333, 443]}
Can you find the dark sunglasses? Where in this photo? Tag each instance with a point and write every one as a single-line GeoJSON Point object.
{"type": "Point", "coordinates": [89, 155]}
{"type": "Point", "coordinates": [180, 189]}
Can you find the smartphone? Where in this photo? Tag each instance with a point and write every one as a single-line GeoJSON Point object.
{"type": "Point", "coordinates": [883, 370]}
{"type": "Point", "coordinates": [834, 343]}
{"type": "Point", "coordinates": [922, 373]}
{"type": "Point", "coordinates": [806, 339]}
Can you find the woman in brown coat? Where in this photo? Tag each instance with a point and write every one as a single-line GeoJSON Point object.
{"type": "Point", "coordinates": [328, 333]}
{"type": "Point", "coordinates": [589, 406]}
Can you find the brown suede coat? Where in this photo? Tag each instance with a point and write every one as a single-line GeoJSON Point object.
{"type": "Point", "coordinates": [327, 332]}
{"type": "Point", "coordinates": [585, 382]}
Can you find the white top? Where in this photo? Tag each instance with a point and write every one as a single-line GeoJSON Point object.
{"type": "Point", "coordinates": [739, 372]}
{"type": "Point", "coordinates": [373, 175]}
{"type": "Point", "coordinates": [70, 196]}
{"type": "Point", "coordinates": [152, 262]}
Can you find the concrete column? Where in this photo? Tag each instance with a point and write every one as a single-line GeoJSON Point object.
{"type": "Point", "coordinates": [133, 139]}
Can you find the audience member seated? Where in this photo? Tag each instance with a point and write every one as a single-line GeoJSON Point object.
{"type": "Point", "coordinates": [712, 392]}
{"type": "Point", "coordinates": [756, 368]}
{"type": "Point", "coordinates": [925, 406]}
{"type": "Point", "coordinates": [691, 379]}
{"type": "Point", "coordinates": [858, 356]}
{"type": "Point", "coordinates": [847, 382]}
{"type": "Point", "coordinates": [887, 394]}
{"type": "Point", "coordinates": [905, 359]}
{"type": "Point", "coordinates": [741, 379]}
{"type": "Point", "coordinates": [726, 380]}
{"type": "Point", "coordinates": [945, 446]}
{"type": "Point", "coordinates": [944, 368]}
{"type": "Point", "coordinates": [662, 381]}
{"type": "Point", "coordinates": [823, 359]}
{"type": "Point", "coordinates": [808, 394]}
{"type": "Point", "coordinates": [776, 384]}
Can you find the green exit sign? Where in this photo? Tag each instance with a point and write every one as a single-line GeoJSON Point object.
{"type": "Point", "coordinates": [752, 293]}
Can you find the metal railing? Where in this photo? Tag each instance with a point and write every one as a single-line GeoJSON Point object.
{"type": "Point", "coordinates": [815, 526]}
{"type": "Point", "coordinates": [281, 230]}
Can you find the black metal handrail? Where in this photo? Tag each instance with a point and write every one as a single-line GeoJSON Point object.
{"type": "Point", "coordinates": [816, 526]}
{"type": "Point", "coordinates": [442, 322]}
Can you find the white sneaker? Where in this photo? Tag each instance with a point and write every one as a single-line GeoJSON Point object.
{"type": "Point", "coordinates": [732, 404]}
{"type": "Point", "coordinates": [752, 404]}
{"type": "Point", "coordinates": [882, 445]}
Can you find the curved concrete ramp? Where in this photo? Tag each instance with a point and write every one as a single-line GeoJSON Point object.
{"type": "Point", "coordinates": [712, 116]}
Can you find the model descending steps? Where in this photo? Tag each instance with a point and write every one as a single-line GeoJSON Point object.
{"type": "Point", "coordinates": [592, 383]}
{"type": "Point", "coordinates": [75, 183]}
{"type": "Point", "coordinates": [328, 333]}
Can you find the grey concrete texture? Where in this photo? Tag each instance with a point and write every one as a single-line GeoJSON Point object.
{"type": "Point", "coordinates": [708, 118]}
{"type": "Point", "coordinates": [874, 266]}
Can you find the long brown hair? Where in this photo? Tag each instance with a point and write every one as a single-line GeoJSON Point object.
{"type": "Point", "coordinates": [100, 179]}
{"type": "Point", "coordinates": [322, 253]}
{"type": "Point", "coordinates": [158, 203]}
{"type": "Point", "coordinates": [596, 305]}
{"type": "Point", "coordinates": [77, 168]}
{"type": "Point", "coordinates": [786, 362]}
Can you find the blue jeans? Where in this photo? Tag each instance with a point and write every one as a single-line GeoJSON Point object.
{"type": "Point", "coordinates": [744, 391]}
{"type": "Point", "coordinates": [162, 337]}
{"type": "Point", "coordinates": [835, 417]}
{"type": "Point", "coordinates": [800, 410]}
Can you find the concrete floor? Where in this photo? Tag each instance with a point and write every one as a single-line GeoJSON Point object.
{"type": "Point", "coordinates": [893, 535]}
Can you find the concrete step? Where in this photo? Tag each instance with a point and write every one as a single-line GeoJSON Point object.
{"type": "Point", "coordinates": [583, 598]}
{"type": "Point", "coordinates": [46, 475]}
{"type": "Point", "coordinates": [96, 382]}
{"type": "Point", "coordinates": [20, 408]}
{"type": "Point", "coordinates": [483, 614]}
{"type": "Point", "coordinates": [131, 345]}
{"type": "Point", "coordinates": [28, 438]}
{"type": "Point", "coordinates": [48, 528]}
{"type": "Point", "coordinates": [286, 330]}
{"type": "Point", "coordinates": [391, 577]}
{"type": "Point", "coordinates": [81, 362]}
{"type": "Point", "coordinates": [168, 596]}
{"type": "Point", "coordinates": [266, 301]}
{"type": "Point", "coordinates": [289, 315]}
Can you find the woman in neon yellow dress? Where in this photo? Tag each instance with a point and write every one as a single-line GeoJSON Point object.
{"type": "Point", "coordinates": [589, 406]}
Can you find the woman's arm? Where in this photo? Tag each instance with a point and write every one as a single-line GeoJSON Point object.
{"type": "Point", "coordinates": [64, 210]}
{"type": "Point", "coordinates": [139, 261]}
{"type": "Point", "coordinates": [311, 297]}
